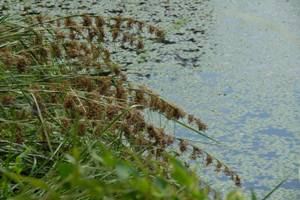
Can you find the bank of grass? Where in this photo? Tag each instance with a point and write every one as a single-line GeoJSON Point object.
{"type": "Point", "coordinates": [72, 125]}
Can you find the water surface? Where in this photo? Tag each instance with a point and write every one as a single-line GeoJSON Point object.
{"type": "Point", "coordinates": [247, 90]}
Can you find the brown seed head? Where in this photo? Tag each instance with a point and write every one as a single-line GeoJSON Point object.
{"type": "Point", "coordinates": [56, 50]}
{"type": "Point", "coordinates": [160, 34]}
{"type": "Point", "coordinates": [7, 57]}
{"type": "Point", "coordinates": [69, 22]}
{"type": "Point", "coordinates": [140, 45]}
{"type": "Point", "coordinates": [140, 25]}
{"type": "Point", "coordinates": [190, 118]}
{"type": "Point", "coordinates": [100, 34]}
{"type": "Point", "coordinates": [130, 22]}
{"type": "Point", "coordinates": [92, 33]}
{"type": "Point", "coordinates": [72, 49]}
{"type": "Point", "coordinates": [227, 171]}
{"type": "Point", "coordinates": [40, 19]}
{"type": "Point", "coordinates": [237, 181]}
{"type": "Point", "coordinates": [125, 37]}
{"type": "Point", "coordinates": [218, 166]}
{"type": "Point", "coordinates": [183, 145]}
{"type": "Point", "coordinates": [169, 139]}
{"type": "Point", "coordinates": [21, 63]}
{"type": "Point", "coordinates": [100, 21]}
{"type": "Point", "coordinates": [59, 34]}
{"type": "Point", "coordinates": [104, 85]}
{"type": "Point", "coordinates": [106, 55]}
{"type": "Point", "coordinates": [196, 152]}
{"type": "Point", "coordinates": [115, 33]}
{"type": "Point", "coordinates": [69, 102]}
{"type": "Point", "coordinates": [7, 100]}
{"type": "Point", "coordinates": [200, 124]}
{"type": "Point", "coordinates": [87, 20]}
{"type": "Point", "coordinates": [65, 123]}
{"type": "Point", "coordinates": [209, 159]}
{"type": "Point", "coordinates": [118, 21]}
{"type": "Point", "coordinates": [81, 128]}
{"type": "Point", "coordinates": [151, 29]}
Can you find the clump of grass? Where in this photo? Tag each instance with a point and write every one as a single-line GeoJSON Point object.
{"type": "Point", "coordinates": [62, 93]}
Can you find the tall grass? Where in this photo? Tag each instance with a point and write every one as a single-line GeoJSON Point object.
{"type": "Point", "coordinates": [72, 126]}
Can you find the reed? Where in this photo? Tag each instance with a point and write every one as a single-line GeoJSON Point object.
{"type": "Point", "coordinates": [61, 92]}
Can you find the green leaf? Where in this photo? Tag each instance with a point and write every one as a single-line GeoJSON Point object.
{"type": "Point", "coordinates": [234, 195]}
{"type": "Point", "coordinates": [160, 183]}
{"type": "Point", "coordinates": [180, 174]}
{"type": "Point", "coordinates": [253, 195]}
{"type": "Point", "coordinates": [65, 169]}
{"type": "Point", "coordinates": [143, 185]}
{"type": "Point", "coordinates": [108, 158]}
{"type": "Point", "coordinates": [37, 183]}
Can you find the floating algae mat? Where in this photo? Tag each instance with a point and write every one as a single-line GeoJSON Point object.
{"type": "Point", "coordinates": [235, 64]}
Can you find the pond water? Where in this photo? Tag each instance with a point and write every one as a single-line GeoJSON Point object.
{"type": "Point", "coordinates": [233, 63]}
{"type": "Point", "coordinates": [247, 90]}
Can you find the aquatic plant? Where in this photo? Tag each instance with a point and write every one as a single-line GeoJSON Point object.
{"type": "Point", "coordinates": [62, 91]}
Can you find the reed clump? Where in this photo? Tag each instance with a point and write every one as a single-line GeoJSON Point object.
{"type": "Point", "coordinates": [60, 87]}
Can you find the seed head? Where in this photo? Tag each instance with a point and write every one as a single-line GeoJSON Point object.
{"type": "Point", "coordinates": [92, 32]}
{"type": "Point", "coordinates": [72, 49]}
{"type": "Point", "coordinates": [56, 51]}
{"type": "Point", "coordinates": [169, 139]}
{"type": "Point", "coordinates": [190, 118]}
{"type": "Point", "coordinates": [7, 100]}
{"type": "Point", "coordinates": [118, 21]}
{"type": "Point", "coordinates": [115, 33]}
{"type": "Point", "coordinates": [100, 22]}
{"type": "Point", "coordinates": [125, 37]}
{"type": "Point", "coordinates": [100, 34]}
{"type": "Point", "coordinates": [200, 124]}
{"type": "Point", "coordinates": [183, 145]}
{"type": "Point", "coordinates": [7, 57]}
{"type": "Point", "coordinates": [160, 34]}
{"type": "Point", "coordinates": [69, 102]}
{"type": "Point", "coordinates": [106, 55]}
{"type": "Point", "coordinates": [140, 45]}
{"type": "Point", "coordinates": [69, 22]}
{"type": "Point", "coordinates": [59, 34]}
{"type": "Point", "coordinates": [237, 181]}
{"type": "Point", "coordinates": [151, 29]}
{"type": "Point", "coordinates": [40, 19]}
{"type": "Point", "coordinates": [140, 25]}
{"type": "Point", "coordinates": [218, 166]}
{"type": "Point", "coordinates": [209, 159]}
{"type": "Point", "coordinates": [21, 63]}
{"type": "Point", "coordinates": [130, 22]}
{"type": "Point", "coordinates": [87, 20]}
{"type": "Point", "coordinates": [81, 128]}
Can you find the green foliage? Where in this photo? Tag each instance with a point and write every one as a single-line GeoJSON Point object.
{"type": "Point", "coordinates": [99, 173]}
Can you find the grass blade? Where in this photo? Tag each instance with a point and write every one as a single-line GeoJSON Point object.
{"type": "Point", "coordinates": [274, 189]}
{"type": "Point", "coordinates": [196, 131]}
